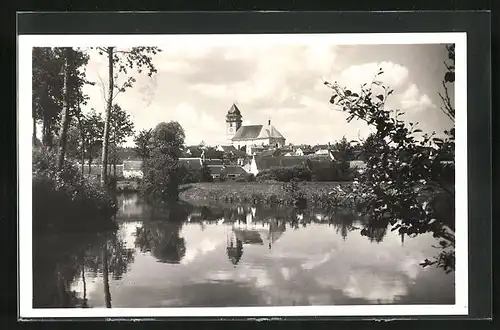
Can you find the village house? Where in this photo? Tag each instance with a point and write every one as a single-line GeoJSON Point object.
{"type": "Point", "coordinates": [215, 166]}
{"type": "Point", "coordinates": [194, 163]}
{"type": "Point", "coordinates": [226, 148]}
{"type": "Point", "coordinates": [234, 172]}
{"type": "Point", "coordinates": [216, 171]}
{"type": "Point", "coordinates": [260, 164]}
{"type": "Point", "coordinates": [231, 155]}
{"type": "Point", "coordinates": [358, 165]}
{"type": "Point", "coordinates": [132, 169]}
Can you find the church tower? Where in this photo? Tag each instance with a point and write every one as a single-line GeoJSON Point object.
{"type": "Point", "coordinates": [233, 122]}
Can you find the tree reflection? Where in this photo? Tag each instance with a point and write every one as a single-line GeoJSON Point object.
{"type": "Point", "coordinates": [162, 240]}
{"type": "Point", "coordinates": [111, 251]}
{"type": "Point", "coordinates": [235, 252]}
{"type": "Point", "coordinates": [59, 261]}
{"type": "Point", "coordinates": [375, 230]}
{"type": "Point", "coordinates": [343, 222]}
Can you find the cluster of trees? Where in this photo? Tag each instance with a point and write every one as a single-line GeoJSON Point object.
{"type": "Point", "coordinates": [327, 171]}
{"type": "Point", "coordinates": [58, 99]}
{"type": "Point", "coordinates": [84, 139]}
{"type": "Point", "coordinates": [160, 149]}
{"type": "Point", "coordinates": [58, 80]}
{"type": "Point", "coordinates": [193, 175]}
{"type": "Point", "coordinates": [404, 183]}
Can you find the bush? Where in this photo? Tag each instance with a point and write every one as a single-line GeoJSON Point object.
{"type": "Point", "coordinates": [249, 177]}
{"type": "Point", "coordinates": [190, 175]}
{"type": "Point", "coordinates": [63, 200]}
{"type": "Point", "coordinates": [161, 178]}
{"type": "Point", "coordinates": [285, 174]}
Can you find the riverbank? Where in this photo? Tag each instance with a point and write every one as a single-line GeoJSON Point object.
{"type": "Point", "coordinates": [315, 193]}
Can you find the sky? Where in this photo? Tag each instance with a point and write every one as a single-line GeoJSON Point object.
{"type": "Point", "coordinates": [197, 83]}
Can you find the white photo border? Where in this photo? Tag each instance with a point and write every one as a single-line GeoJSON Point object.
{"type": "Point", "coordinates": [25, 280]}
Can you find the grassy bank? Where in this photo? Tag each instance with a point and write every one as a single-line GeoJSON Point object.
{"type": "Point", "coordinates": [315, 193]}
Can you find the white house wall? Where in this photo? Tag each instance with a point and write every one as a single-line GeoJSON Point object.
{"type": "Point", "coordinates": [132, 174]}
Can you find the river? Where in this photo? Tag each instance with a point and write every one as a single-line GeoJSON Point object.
{"type": "Point", "coordinates": [235, 255]}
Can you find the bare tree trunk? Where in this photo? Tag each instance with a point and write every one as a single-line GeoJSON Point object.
{"type": "Point", "coordinates": [46, 133]}
{"type": "Point", "coordinates": [90, 165]}
{"type": "Point", "coordinates": [105, 275]}
{"type": "Point", "coordinates": [84, 305]}
{"type": "Point", "coordinates": [65, 112]}
{"type": "Point", "coordinates": [83, 158]}
{"type": "Point", "coordinates": [104, 177]}
{"type": "Point", "coordinates": [82, 137]}
{"type": "Point", "coordinates": [34, 131]}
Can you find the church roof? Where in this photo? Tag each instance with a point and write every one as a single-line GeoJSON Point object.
{"type": "Point", "coordinates": [270, 132]}
{"type": "Point", "coordinates": [253, 132]}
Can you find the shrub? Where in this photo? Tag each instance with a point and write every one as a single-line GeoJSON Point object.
{"type": "Point", "coordinates": [249, 177]}
{"type": "Point", "coordinates": [62, 199]}
{"type": "Point", "coordinates": [285, 174]}
{"type": "Point", "coordinates": [161, 170]}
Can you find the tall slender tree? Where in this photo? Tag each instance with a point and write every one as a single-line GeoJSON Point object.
{"type": "Point", "coordinates": [122, 59]}
{"type": "Point", "coordinates": [68, 65]}
{"type": "Point", "coordinates": [121, 127]}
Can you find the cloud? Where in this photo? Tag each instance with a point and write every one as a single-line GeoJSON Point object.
{"type": "Point", "coordinates": [412, 99]}
{"type": "Point", "coordinates": [394, 75]}
{"type": "Point", "coordinates": [191, 120]}
{"type": "Point", "coordinates": [268, 77]}
{"type": "Point", "coordinates": [371, 287]}
{"type": "Point", "coordinates": [186, 114]}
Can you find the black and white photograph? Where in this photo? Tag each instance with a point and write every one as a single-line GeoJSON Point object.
{"type": "Point", "coordinates": [243, 175]}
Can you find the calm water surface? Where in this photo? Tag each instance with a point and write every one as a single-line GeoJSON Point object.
{"type": "Point", "coordinates": [236, 256]}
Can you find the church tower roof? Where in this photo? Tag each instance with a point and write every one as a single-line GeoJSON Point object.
{"type": "Point", "coordinates": [234, 114]}
{"type": "Point", "coordinates": [234, 110]}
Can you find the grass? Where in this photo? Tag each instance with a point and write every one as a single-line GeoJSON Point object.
{"type": "Point", "coordinates": [316, 193]}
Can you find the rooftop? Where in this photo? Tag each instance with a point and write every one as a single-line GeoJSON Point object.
{"type": "Point", "coordinates": [193, 163]}
{"type": "Point", "coordinates": [234, 170]}
{"type": "Point", "coordinates": [254, 132]}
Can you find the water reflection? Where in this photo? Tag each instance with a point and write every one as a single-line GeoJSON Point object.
{"type": "Point", "coordinates": [162, 240]}
{"type": "Point", "coordinates": [236, 255]}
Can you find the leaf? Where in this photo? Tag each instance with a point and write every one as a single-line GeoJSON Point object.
{"type": "Point", "coordinates": [348, 92]}
{"type": "Point", "coordinates": [380, 97]}
{"type": "Point", "coordinates": [449, 77]}
{"type": "Point", "coordinates": [355, 95]}
{"type": "Point", "coordinates": [332, 99]}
